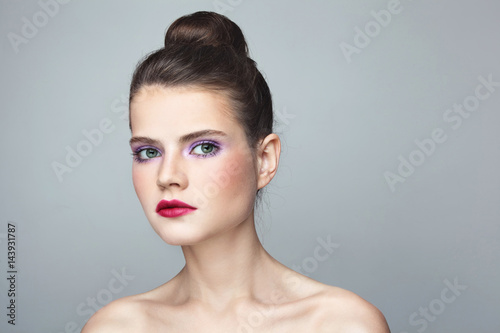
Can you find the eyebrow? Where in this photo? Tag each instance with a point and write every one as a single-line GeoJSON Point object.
{"type": "Point", "coordinates": [183, 139]}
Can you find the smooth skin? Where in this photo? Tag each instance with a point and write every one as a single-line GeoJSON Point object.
{"type": "Point", "coordinates": [229, 282]}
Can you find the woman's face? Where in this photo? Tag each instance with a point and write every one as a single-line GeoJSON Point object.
{"type": "Point", "coordinates": [187, 146]}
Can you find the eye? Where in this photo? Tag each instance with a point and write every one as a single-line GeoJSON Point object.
{"type": "Point", "coordinates": [204, 149]}
{"type": "Point", "coordinates": [144, 154]}
{"type": "Point", "coordinates": [149, 153]}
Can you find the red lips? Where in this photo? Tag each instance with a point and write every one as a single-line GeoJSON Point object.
{"type": "Point", "coordinates": [173, 208]}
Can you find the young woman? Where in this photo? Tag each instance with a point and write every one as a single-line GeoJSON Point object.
{"type": "Point", "coordinates": [203, 144]}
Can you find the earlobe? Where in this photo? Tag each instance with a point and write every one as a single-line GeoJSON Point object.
{"type": "Point", "coordinates": [268, 159]}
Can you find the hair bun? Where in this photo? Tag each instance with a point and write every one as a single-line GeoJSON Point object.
{"type": "Point", "coordinates": [206, 29]}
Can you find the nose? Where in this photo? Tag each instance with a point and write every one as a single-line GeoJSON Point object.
{"type": "Point", "coordinates": [171, 173]}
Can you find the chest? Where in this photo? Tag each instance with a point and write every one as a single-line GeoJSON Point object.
{"type": "Point", "coordinates": [262, 320]}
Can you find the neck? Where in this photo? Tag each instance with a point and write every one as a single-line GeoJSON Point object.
{"type": "Point", "coordinates": [227, 267]}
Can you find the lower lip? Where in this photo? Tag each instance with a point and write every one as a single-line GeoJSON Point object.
{"type": "Point", "coordinates": [175, 212]}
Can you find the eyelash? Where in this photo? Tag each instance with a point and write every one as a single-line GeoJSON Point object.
{"type": "Point", "coordinates": [216, 148]}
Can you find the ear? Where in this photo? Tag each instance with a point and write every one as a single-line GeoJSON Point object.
{"type": "Point", "coordinates": [268, 156]}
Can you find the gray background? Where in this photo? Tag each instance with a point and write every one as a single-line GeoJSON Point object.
{"type": "Point", "coordinates": [343, 125]}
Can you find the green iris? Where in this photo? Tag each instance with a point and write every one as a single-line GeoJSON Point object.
{"type": "Point", "coordinates": [151, 153]}
{"type": "Point", "coordinates": [207, 148]}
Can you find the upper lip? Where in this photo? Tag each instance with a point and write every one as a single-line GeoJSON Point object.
{"type": "Point", "coordinates": [165, 204]}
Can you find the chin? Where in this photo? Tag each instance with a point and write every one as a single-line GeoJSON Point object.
{"type": "Point", "coordinates": [180, 240]}
{"type": "Point", "coordinates": [178, 233]}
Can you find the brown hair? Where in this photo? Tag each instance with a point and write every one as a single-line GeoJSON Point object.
{"type": "Point", "coordinates": [208, 50]}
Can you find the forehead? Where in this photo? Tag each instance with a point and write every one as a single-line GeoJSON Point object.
{"type": "Point", "coordinates": [159, 111]}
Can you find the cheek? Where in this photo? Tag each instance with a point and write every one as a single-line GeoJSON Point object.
{"type": "Point", "coordinates": [236, 178]}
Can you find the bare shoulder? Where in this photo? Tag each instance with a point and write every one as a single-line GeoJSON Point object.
{"type": "Point", "coordinates": [344, 311]}
{"type": "Point", "coordinates": [332, 309]}
{"type": "Point", "coordinates": [122, 315]}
